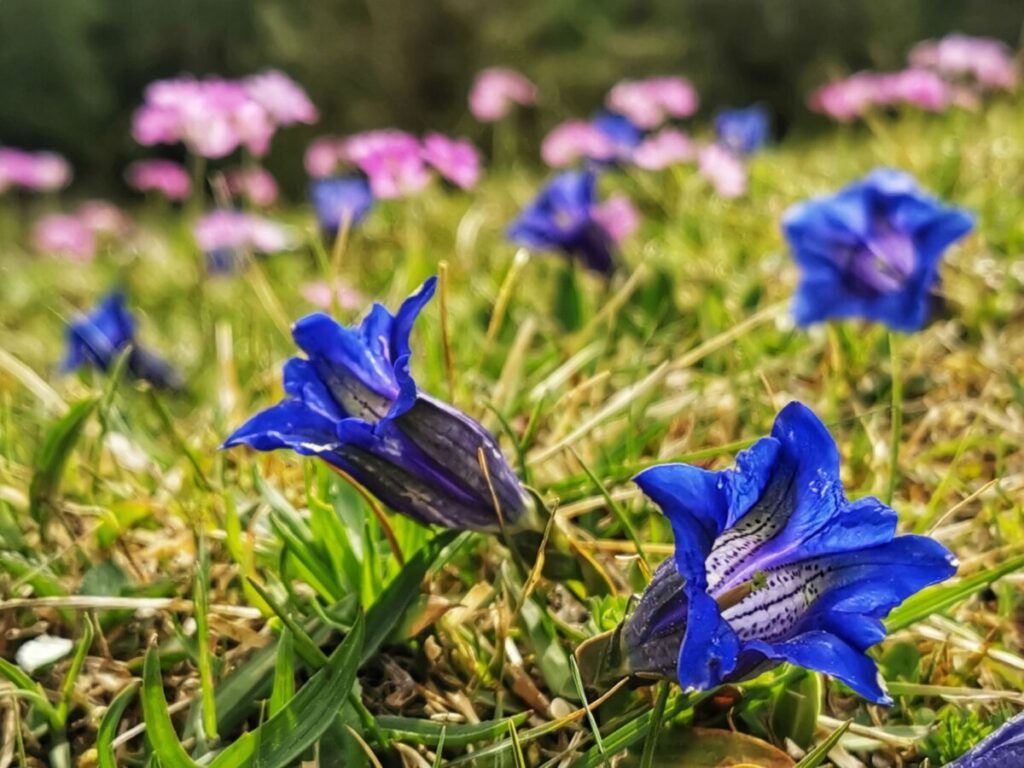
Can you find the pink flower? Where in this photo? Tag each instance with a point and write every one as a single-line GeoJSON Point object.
{"type": "Point", "coordinates": [168, 178]}
{"type": "Point", "coordinates": [648, 103]}
{"type": "Point", "coordinates": [617, 216]}
{"type": "Point", "coordinates": [457, 160]}
{"type": "Point", "coordinates": [494, 92]}
{"type": "Point", "coordinates": [989, 62]}
{"type": "Point", "coordinates": [62, 234]}
{"type": "Point", "coordinates": [665, 148]}
{"type": "Point", "coordinates": [847, 99]}
{"type": "Point", "coordinates": [391, 160]}
{"type": "Point", "coordinates": [234, 230]}
{"type": "Point", "coordinates": [283, 99]}
{"type": "Point", "coordinates": [319, 295]}
{"type": "Point", "coordinates": [723, 169]}
{"type": "Point", "coordinates": [919, 87]}
{"type": "Point", "coordinates": [323, 155]}
{"type": "Point", "coordinates": [575, 139]}
{"type": "Point", "coordinates": [257, 185]}
{"type": "Point", "coordinates": [103, 218]}
{"type": "Point", "coordinates": [35, 171]}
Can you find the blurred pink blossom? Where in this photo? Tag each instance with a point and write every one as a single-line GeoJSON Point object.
{"type": "Point", "coordinates": [617, 216]}
{"type": "Point", "coordinates": [283, 99]}
{"type": "Point", "coordinates": [667, 147]}
{"type": "Point", "coordinates": [235, 230]}
{"type": "Point", "coordinates": [648, 103]}
{"type": "Point", "coordinates": [168, 178]}
{"type": "Point", "coordinates": [103, 218]}
{"type": "Point", "coordinates": [256, 185]}
{"type": "Point", "coordinates": [61, 234]}
{"type": "Point", "coordinates": [391, 160]}
{"type": "Point", "coordinates": [847, 99]}
{"type": "Point", "coordinates": [921, 88]}
{"type": "Point", "coordinates": [494, 92]}
{"type": "Point", "coordinates": [723, 169]}
{"type": "Point", "coordinates": [457, 160]}
{"type": "Point", "coordinates": [323, 155]}
{"type": "Point", "coordinates": [575, 139]}
{"type": "Point", "coordinates": [988, 62]}
{"type": "Point", "coordinates": [319, 295]}
{"type": "Point", "coordinates": [33, 171]}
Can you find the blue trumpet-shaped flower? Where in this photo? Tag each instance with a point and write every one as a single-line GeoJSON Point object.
{"type": "Point", "coordinates": [340, 199]}
{"type": "Point", "coordinates": [743, 131]}
{"type": "Point", "coordinates": [620, 131]}
{"type": "Point", "coordinates": [773, 564]}
{"type": "Point", "coordinates": [561, 218]}
{"type": "Point", "coordinates": [98, 338]}
{"type": "Point", "coordinates": [872, 250]}
{"type": "Point", "coordinates": [353, 403]}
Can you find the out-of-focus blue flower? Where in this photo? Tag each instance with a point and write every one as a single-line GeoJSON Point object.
{"type": "Point", "coordinates": [353, 403]}
{"type": "Point", "coordinates": [872, 250]}
{"type": "Point", "coordinates": [98, 338]}
{"type": "Point", "coordinates": [743, 131]}
{"type": "Point", "coordinates": [622, 133]}
{"type": "Point", "coordinates": [1005, 748]}
{"type": "Point", "coordinates": [561, 218]}
{"type": "Point", "coordinates": [340, 198]}
{"type": "Point", "coordinates": [773, 564]}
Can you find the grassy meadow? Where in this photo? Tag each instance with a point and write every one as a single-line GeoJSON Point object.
{"type": "Point", "coordinates": [208, 591]}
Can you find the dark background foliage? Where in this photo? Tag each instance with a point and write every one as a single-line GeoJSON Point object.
{"type": "Point", "coordinates": [72, 71]}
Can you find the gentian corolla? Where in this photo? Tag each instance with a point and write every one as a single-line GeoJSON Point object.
{"type": "Point", "coordinates": [340, 199]}
{"type": "Point", "coordinates": [772, 564]}
{"type": "Point", "coordinates": [871, 250]}
{"type": "Point", "coordinates": [98, 338]}
{"type": "Point", "coordinates": [562, 217]}
{"type": "Point", "coordinates": [743, 131]}
{"type": "Point", "coordinates": [353, 403]}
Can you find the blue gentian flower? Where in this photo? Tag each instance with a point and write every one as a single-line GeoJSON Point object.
{"type": "Point", "coordinates": [340, 198]}
{"type": "Point", "coordinates": [98, 338]}
{"type": "Point", "coordinates": [561, 218]}
{"type": "Point", "coordinates": [620, 130]}
{"type": "Point", "coordinates": [743, 131]}
{"type": "Point", "coordinates": [872, 250]}
{"type": "Point", "coordinates": [353, 403]}
{"type": "Point", "coordinates": [1005, 747]}
{"type": "Point", "coordinates": [773, 564]}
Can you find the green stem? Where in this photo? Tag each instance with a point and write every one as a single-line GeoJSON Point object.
{"type": "Point", "coordinates": [896, 418]}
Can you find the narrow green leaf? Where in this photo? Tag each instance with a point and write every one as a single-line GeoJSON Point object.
{"type": "Point", "coordinates": [285, 736]}
{"type": "Point", "coordinates": [68, 687]}
{"type": "Point", "coordinates": [284, 673]}
{"type": "Point", "coordinates": [796, 708]}
{"type": "Point", "coordinates": [416, 731]}
{"type": "Point", "coordinates": [57, 446]}
{"type": "Point", "coordinates": [517, 748]}
{"type": "Point", "coordinates": [817, 756]}
{"type": "Point", "coordinates": [205, 656]}
{"type": "Point", "coordinates": [23, 682]}
{"type": "Point", "coordinates": [160, 731]}
{"type": "Point", "coordinates": [657, 717]}
{"type": "Point", "coordinates": [108, 726]}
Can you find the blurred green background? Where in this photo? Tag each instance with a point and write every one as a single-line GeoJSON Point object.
{"type": "Point", "coordinates": [72, 71]}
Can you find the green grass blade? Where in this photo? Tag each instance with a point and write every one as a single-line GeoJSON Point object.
{"type": "Point", "coordinates": [23, 682]}
{"type": "Point", "coordinates": [108, 726]}
{"type": "Point", "coordinates": [60, 441]}
{"type": "Point", "coordinates": [68, 687]}
{"type": "Point", "coordinates": [285, 736]}
{"type": "Point", "coordinates": [205, 656]}
{"type": "Point", "coordinates": [284, 673]}
{"type": "Point", "coordinates": [817, 756]}
{"type": "Point", "coordinates": [160, 731]}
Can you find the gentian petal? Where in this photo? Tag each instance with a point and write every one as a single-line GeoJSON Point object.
{"type": "Point", "coordinates": [406, 316]}
{"type": "Point", "coordinates": [289, 424]}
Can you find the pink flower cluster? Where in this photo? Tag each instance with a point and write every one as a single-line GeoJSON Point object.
{"type": "Point", "coordinates": [74, 235]}
{"type": "Point", "coordinates": [987, 63]}
{"type": "Point", "coordinates": [496, 90]}
{"type": "Point", "coordinates": [256, 185]}
{"type": "Point", "coordinates": [215, 116]}
{"type": "Point", "coordinates": [231, 230]}
{"type": "Point", "coordinates": [649, 103]}
{"type": "Point", "coordinates": [164, 177]}
{"type": "Point", "coordinates": [944, 73]}
{"type": "Point", "coordinates": [396, 163]}
{"type": "Point", "coordinates": [34, 171]}
{"type": "Point", "coordinates": [617, 216]}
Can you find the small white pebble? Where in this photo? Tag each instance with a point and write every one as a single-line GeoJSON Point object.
{"type": "Point", "coordinates": [42, 650]}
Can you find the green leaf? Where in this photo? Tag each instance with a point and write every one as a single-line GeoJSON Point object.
{"type": "Point", "coordinates": [796, 708]}
{"type": "Point", "coordinates": [284, 673]}
{"type": "Point", "coordinates": [108, 726]}
{"type": "Point", "coordinates": [285, 736]}
{"type": "Point", "coordinates": [68, 687]}
{"type": "Point", "coordinates": [416, 731]}
{"type": "Point", "coordinates": [159, 729]}
{"type": "Point", "coordinates": [942, 596]}
{"type": "Point", "coordinates": [24, 683]}
{"type": "Point", "coordinates": [711, 748]}
{"type": "Point", "coordinates": [568, 298]}
{"type": "Point", "coordinates": [817, 756]}
{"type": "Point", "coordinates": [205, 656]}
{"type": "Point", "coordinates": [57, 446]}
